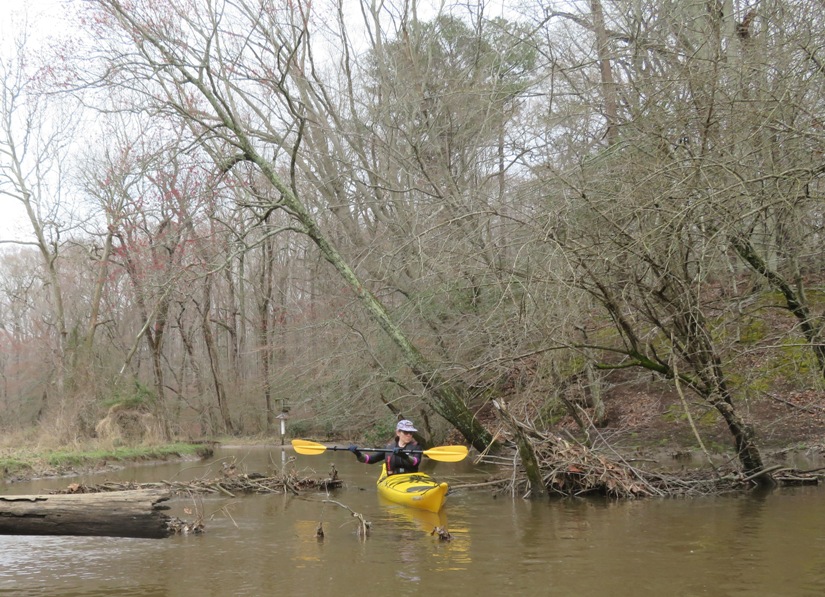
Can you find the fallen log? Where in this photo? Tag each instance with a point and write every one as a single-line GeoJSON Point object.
{"type": "Point", "coordinates": [114, 514]}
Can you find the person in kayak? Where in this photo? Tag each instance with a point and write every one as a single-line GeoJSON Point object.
{"type": "Point", "coordinates": [398, 459]}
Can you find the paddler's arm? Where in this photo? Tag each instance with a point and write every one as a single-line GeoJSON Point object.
{"type": "Point", "coordinates": [367, 458]}
{"type": "Point", "coordinates": [375, 458]}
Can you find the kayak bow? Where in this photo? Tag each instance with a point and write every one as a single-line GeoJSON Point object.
{"type": "Point", "coordinates": [416, 490]}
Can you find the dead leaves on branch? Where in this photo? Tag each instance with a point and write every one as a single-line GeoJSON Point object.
{"type": "Point", "coordinates": [564, 468]}
{"type": "Point", "coordinates": [578, 471]}
{"type": "Point", "coordinates": [572, 470]}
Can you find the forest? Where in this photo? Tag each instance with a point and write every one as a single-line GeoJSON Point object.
{"type": "Point", "coordinates": [342, 212]}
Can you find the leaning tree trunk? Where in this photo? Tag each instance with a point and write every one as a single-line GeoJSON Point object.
{"type": "Point", "coordinates": [745, 440]}
{"type": "Point", "coordinates": [446, 398]}
{"type": "Point", "coordinates": [532, 468]}
{"type": "Point", "coordinates": [715, 391]}
{"type": "Point", "coordinates": [810, 325]}
{"type": "Point", "coordinates": [691, 336]}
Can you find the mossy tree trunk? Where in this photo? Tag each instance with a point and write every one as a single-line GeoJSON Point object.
{"type": "Point", "coordinates": [673, 311]}
{"type": "Point", "coordinates": [531, 465]}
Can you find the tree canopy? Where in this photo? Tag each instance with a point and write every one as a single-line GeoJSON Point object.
{"type": "Point", "coordinates": [349, 215]}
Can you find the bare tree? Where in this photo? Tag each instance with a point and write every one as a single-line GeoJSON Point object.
{"type": "Point", "coordinates": [236, 126]}
{"type": "Point", "coordinates": [648, 223]}
{"type": "Point", "coordinates": [35, 135]}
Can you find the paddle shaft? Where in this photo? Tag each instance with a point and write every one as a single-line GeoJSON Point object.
{"type": "Point", "coordinates": [440, 453]}
{"type": "Point", "coordinates": [383, 450]}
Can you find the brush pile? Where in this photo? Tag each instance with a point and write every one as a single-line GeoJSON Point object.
{"type": "Point", "coordinates": [229, 483]}
{"type": "Point", "coordinates": [542, 463]}
{"type": "Point", "coordinates": [572, 470]}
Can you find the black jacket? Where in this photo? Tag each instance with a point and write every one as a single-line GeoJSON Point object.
{"type": "Point", "coordinates": [398, 463]}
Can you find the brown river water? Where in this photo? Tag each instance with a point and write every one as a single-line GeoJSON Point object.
{"type": "Point", "coordinates": [755, 545]}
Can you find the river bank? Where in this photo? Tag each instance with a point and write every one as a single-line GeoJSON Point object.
{"type": "Point", "coordinates": [17, 464]}
{"type": "Point", "coordinates": [646, 426]}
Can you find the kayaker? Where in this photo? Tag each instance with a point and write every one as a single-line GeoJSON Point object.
{"type": "Point", "coordinates": [398, 459]}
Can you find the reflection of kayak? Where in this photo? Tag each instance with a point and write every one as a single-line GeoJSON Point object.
{"type": "Point", "coordinates": [417, 518]}
{"type": "Point", "coordinates": [416, 490]}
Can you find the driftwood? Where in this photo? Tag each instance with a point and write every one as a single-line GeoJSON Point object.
{"type": "Point", "coordinates": [230, 483]}
{"type": "Point", "coordinates": [550, 465]}
{"type": "Point", "coordinates": [135, 509]}
{"type": "Point", "coordinates": [116, 514]}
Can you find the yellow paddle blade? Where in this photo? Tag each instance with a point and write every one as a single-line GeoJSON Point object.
{"type": "Point", "coordinates": [303, 446]}
{"type": "Point", "coordinates": [447, 453]}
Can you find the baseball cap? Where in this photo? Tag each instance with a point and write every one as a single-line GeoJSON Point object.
{"type": "Point", "coordinates": [405, 425]}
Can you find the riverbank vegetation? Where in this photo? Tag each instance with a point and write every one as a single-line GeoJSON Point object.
{"type": "Point", "coordinates": [605, 222]}
{"type": "Point", "coordinates": [26, 463]}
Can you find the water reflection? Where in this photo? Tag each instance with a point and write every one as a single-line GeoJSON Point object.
{"type": "Point", "coordinates": [410, 524]}
{"type": "Point", "coordinates": [403, 517]}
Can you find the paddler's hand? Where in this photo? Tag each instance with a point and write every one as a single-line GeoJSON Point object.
{"type": "Point", "coordinates": [399, 453]}
{"type": "Point", "coordinates": [354, 449]}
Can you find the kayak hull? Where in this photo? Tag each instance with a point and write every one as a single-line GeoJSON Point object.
{"type": "Point", "coordinates": [415, 490]}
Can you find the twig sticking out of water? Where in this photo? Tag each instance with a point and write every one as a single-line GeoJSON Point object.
{"type": "Point", "coordinates": [363, 524]}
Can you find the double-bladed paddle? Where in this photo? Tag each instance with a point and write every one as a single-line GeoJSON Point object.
{"type": "Point", "coordinates": [441, 453]}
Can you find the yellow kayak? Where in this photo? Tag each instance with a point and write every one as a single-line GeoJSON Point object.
{"type": "Point", "coordinates": [416, 490]}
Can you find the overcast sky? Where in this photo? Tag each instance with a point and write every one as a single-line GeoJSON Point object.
{"type": "Point", "coordinates": [43, 16]}
{"type": "Point", "coordinates": [44, 19]}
